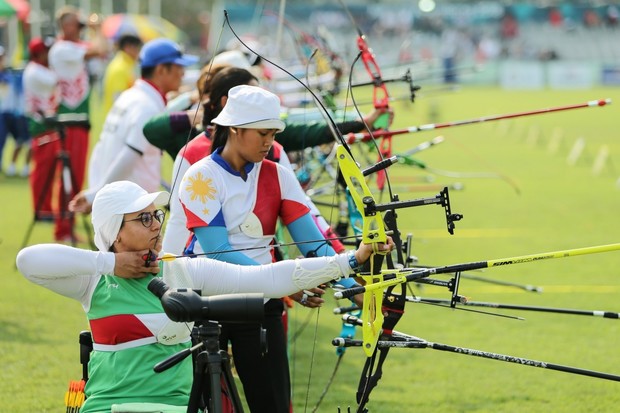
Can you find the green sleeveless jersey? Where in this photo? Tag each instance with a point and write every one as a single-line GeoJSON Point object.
{"type": "Point", "coordinates": [125, 317]}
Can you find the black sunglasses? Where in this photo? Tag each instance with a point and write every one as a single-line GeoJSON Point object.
{"type": "Point", "coordinates": [147, 217]}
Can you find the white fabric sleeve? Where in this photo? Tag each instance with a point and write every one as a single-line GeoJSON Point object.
{"type": "Point", "coordinates": [289, 185]}
{"type": "Point", "coordinates": [41, 81]}
{"type": "Point", "coordinates": [68, 271]}
{"type": "Point", "coordinates": [95, 170]}
{"type": "Point", "coordinates": [182, 102]}
{"type": "Point", "coordinates": [139, 117]}
{"type": "Point", "coordinates": [273, 280]}
{"type": "Point", "coordinates": [176, 234]}
{"type": "Point", "coordinates": [118, 171]}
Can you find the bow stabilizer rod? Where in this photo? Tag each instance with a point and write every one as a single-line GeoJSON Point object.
{"type": "Point", "coordinates": [415, 342]}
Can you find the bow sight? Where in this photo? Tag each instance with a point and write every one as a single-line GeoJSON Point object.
{"type": "Point", "coordinates": [406, 78]}
{"type": "Point", "coordinates": [442, 198]}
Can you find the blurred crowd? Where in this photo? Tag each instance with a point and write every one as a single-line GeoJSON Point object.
{"type": "Point", "coordinates": [64, 71]}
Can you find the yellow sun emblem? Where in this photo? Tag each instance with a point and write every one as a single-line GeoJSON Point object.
{"type": "Point", "coordinates": [200, 187]}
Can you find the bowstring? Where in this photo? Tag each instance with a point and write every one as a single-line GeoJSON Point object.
{"type": "Point", "coordinates": [189, 137]}
{"type": "Point", "coordinates": [331, 123]}
{"type": "Point", "coordinates": [189, 133]}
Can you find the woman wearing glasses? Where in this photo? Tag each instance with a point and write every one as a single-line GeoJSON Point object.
{"type": "Point", "coordinates": [131, 333]}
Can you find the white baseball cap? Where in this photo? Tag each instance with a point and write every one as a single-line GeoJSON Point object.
{"type": "Point", "coordinates": [234, 58]}
{"type": "Point", "coordinates": [251, 107]}
{"type": "Point", "coordinates": [112, 202]}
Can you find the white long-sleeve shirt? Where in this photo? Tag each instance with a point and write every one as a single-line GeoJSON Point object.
{"type": "Point", "coordinates": [74, 272]}
{"type": "Point", "coordinates": [130, 330]}
{"type": "Point", "coordinates": [122, 151]}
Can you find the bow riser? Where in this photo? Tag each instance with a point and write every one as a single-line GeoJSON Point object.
{"type": "Point", "coordinates": [373, 232]}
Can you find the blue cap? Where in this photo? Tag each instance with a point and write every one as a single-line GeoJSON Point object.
{"type": "Point", "coordinates": [160, 51]}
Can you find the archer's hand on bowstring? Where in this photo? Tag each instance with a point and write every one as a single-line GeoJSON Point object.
{"type": "Point", "coordinates": [133, 264]}
{"type": "Point", "coordinates": [80, 204]}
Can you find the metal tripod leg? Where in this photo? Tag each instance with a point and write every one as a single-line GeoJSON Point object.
{"type": "Point", "coordinates": [212, 364]}
{"type": "Point", "coordinates": [230, 382]}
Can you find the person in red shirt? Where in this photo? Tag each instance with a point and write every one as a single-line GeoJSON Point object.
{"type": "Point", "coordinates": [41, 95]}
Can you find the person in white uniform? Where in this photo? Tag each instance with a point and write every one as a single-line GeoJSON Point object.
{"type": "Point", "coordinates": [123, 153]}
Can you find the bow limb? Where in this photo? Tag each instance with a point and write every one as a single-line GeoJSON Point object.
{"type": "Point", "coordinates": [380, 97]}
{"type": "Point", "coordinates": [380, 101]}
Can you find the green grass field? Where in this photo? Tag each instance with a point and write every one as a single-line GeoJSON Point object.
{"type": "Point", "coordinates": [560, 206]}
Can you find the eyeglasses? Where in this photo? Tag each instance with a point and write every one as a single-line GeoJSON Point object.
{"type": "Point", "coordinates": [147, 217]}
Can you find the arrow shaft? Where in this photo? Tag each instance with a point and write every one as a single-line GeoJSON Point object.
{"type": "Point", "coordinates": [526, 258]}
{"type": "Point", "coordinates": [356, 137]}
{"type": "Point", "coordinates": [593, 313]}
{"type": "Point", "coordinates": [554, 254]}
{"type": "Point", "coordinates": [415, 274]}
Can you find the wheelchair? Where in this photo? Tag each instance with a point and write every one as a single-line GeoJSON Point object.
{"type": "Point", "coordinates": [208, 364]}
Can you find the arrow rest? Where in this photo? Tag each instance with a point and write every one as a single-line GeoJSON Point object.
{"type": "Point", "coordinates": [453, 287]}
{"type": "Point", "coordinates": [408, 248]}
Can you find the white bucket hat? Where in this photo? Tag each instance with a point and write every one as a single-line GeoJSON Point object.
{"type": "Point", "coordinates": [251, 107]}
{"type": "Point", "coordinates": [112, 202]}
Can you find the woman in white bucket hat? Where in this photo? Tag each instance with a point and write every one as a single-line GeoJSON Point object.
{"type": "Point", "coordinates": [233, 200]}
{"type": "Point", "coordinates": [130, 329]}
